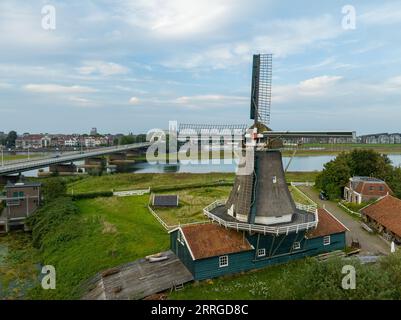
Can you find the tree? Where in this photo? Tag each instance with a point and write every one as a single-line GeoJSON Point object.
{"type": "Point", "coordinates": [369, 163]}
{"type": "Point", "coordinates": [129, 139]}
{"type": "Point", "coordinates": [394, 181]}
{"type": "Point", "coordinates": [53, 188]}
{"type": "Point", "coordinates": [337, 172]}
{"type": "Point", "coordinates": [10, 140]}
{"type": "Point", "coordinates": [334, 176]}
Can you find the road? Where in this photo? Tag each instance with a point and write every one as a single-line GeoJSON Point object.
{"type": "Point", "coordinates": [370, 243]}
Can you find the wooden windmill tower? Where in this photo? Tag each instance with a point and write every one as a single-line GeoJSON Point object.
{"type": "Point", "coordinates": [260, 200]}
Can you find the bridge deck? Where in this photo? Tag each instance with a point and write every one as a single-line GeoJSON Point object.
{"type": "Point", "coordinates": [45, 162]}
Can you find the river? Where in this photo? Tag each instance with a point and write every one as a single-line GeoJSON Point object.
{"type": "Point", "coordinates": [301, 163]}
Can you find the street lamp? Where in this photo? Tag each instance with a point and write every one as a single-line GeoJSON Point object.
{"type": "Point", "coordinates": [2, 156]}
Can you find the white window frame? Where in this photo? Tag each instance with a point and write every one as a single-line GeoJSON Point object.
{"type": "Point", "coordinates": [326, 240]}
{"type": "Point", "coordinates": [261, 252]}
{"type": "Point", "coordinates": [223, 261]}
{"type": "Point", "coordinates": [296, 245]}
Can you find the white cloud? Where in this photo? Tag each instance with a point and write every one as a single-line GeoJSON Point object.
{"type": "Point", "coordinates": [55, 88]}
{"type": "Point", "coordinates": [102, 68]}
{"type": "Point", "coordinates": [20, 26]}
{"type": "Point", "coordinates": [134, 101]}
{"type": "Point", "coordinates": [82, 102]}
{"type": "Point", "coordinates": [280, 37]}
{"type": "Point", "coordinates": [317, 85]}
{"type": "Point", "coordinates": [179, 18]}
{"type": "Point", "coordinates": [210, 100]}
{"type": "Point", "coordinates": [383, 14]}
{"type": "Point", "coordinates": [313, 88]}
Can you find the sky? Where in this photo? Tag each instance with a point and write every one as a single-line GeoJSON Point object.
{"type": "Point", "coordinates": [130, 66]}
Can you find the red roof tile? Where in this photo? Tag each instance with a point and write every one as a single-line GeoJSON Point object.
{"type": "Point", "coordinates": [387, 212]}
{"type": "Point", "coordinates": [327, 225]}
{"type": "Point", "coordinates": [210, 240]}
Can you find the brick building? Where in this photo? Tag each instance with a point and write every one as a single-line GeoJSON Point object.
{"type": "Point", "coordinates": [364, 189]}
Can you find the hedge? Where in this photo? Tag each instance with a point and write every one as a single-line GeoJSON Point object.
{"type": "Point", "coordinates": [91, 195]}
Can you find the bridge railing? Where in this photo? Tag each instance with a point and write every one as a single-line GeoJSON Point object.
{"type": "Point", "coordinates": [33, 164]}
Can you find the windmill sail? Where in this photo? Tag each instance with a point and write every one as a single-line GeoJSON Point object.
{"type": "Point", "coordinates": [261, 88]}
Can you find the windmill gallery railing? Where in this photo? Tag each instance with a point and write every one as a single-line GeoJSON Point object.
{"type": "Point", "coordinates": [260, 228]}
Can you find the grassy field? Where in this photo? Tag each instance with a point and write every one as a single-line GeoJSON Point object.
{"type": "Point", "coordinates": [129, 181]}
{"type": "Point", "coordinates": [113, 231]}
{"type": "Point", "coordinates": [8, 157]}
{"type": "Point", "coordinates": [192, 202]}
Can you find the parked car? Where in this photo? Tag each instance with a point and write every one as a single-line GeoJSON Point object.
{"type": "Point", "coordinates": [323, 195]}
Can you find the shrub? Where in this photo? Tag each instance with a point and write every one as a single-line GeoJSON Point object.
{"type": "Point", "coordinates": [92, 195]}
{"type": "Point", "coordinates": [51, 217]}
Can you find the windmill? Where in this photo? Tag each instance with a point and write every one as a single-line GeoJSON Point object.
{"type": "Point", "coordinates": [260, 200]}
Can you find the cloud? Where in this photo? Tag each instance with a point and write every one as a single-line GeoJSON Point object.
{"type": "Point", "coordinates": [82, 102]}
{"type": "Point", "coordinates": [134, 101]}
{"type": "Point", "coordinates": [280, 37]}
{"type": "Point", "coordinates": [102, 68]}
{"type": "Point", "coordinates": [210, 100]}
{"type": "Point", "coordinates": [55, 88]}
{"type": "Point", "coordinates": [4, 85]}
{"type": "Point", "coordinates": [20, 27]}
{"type": "Point", "coordinates": [384, 14]}
{"type": "Point", "coordinates": [317, 85]}
{"type": "Point", "coordinates": [178, 18]}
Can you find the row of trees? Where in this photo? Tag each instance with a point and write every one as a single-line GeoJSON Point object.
{"type": "Point", "coordinates": [337, 172]}
{"type": "Point", "coordinates": [8, 140]}
{"type": "Point", "coordinates": [130, 139]}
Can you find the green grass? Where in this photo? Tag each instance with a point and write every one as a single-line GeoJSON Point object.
{"type": "Point", "coordinates": [18, 265]}
{"type": "Point", "coordinates": [192, 202]}
{"type": "Point", "coordinates": [305, 279]}
{"type": "Point", "coordinates": [112, 231]}
{"type": "Point", "coordinates": [301, 176]}
{"type": "Point", "coordinates": [299, 197]}
{"type": "Point", "coordinates": [129, 181]}
{"type": "Point", "coordinates": [8, 157]}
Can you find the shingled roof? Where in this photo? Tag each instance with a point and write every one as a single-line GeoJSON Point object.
{"type": "Point", "coordinates": [387, 212]}
{"type": "Point", "coordinates": [210, 240]}
{"type": "Point", "coordinates": [369, 186]}
{"type": "Point", "coordinates": [326, 226]}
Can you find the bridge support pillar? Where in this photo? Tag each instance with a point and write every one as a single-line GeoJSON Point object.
{"type": "Point", "coordinates": [63, 168]}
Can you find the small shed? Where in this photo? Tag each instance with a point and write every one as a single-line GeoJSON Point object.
{"type": "Point", "coordinates": [159, 200]}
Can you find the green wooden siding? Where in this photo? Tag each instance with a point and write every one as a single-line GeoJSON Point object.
{"type": "Point", "coordinates": [182, 252]}
{"type": "Point", "coordinates": [278, 250]}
